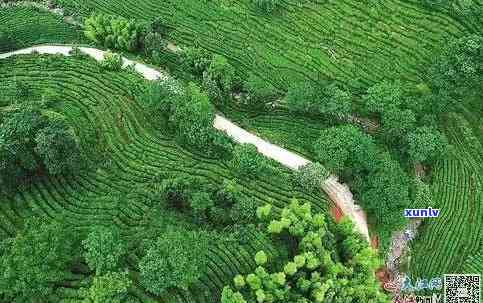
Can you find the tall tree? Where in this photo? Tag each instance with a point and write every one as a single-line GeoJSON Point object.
{"type": "Point", "coordinates": [104, 249]}
{"type": "Point", "coordinates": [426, 145]}
{"type": "Point", "coordinates": [175, 260]}
{"type": "Point", "coordinates": [36, 260]}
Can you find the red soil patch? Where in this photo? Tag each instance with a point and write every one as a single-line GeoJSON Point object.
{"type": "Point", "coordinates": [337, 213]}
{"type": "Point", "coordinates": [382, 275]}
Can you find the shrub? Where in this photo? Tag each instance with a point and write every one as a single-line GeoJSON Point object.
{"type": "Point", "coordinates": [219, 79]}
{"type": "Point", "coordinates": [112, 61]}
{"type": "Point", "coordinates": [259, 92]}
{"type": "Point", "coordinates": [325, 99]}
{"type": "Point", "coordinates": [195, 60]}
{"type": "Point", "coordinates": [266, 6]}
{"type": "Point", "coordinates": [311, 176]}
{"type": "Point", "coordinates": [114, 31]}
{"type": "Point", "coordinates": [247, 161]}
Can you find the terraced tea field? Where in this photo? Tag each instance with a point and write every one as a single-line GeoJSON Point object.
{"type": "Point", "coordinates": [27, 26]}
{"type": "Point", "coordinates": [101, 106]}
{"type": "Point", "coordinates": [343, 40]}
{"type": "Point", "coordinates": [452, 243]}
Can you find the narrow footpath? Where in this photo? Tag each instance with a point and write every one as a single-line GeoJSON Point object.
{"type": "Point", "coordinates": [337, 192]}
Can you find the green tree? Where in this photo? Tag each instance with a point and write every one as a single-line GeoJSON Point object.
{"type": "Point", "coordinates": [426, 145]}
{"type": "Point", "coordinates": [219, 79]}
{"type": "Point", "coordinates": [423, 196]}
{"type": "Point", "coordinates": [58, 146]}
{"type": "Point", "coordinates": [315, 273]}
{"type": "Point", "coordinates": [383, 97]}
{"type": "Point", "coordinates": [325, 99]}
{"type": "Point", "coordinates": [7, 42]}
{"type": "Point", "coordinates": [195, 60]}
{"type": "Point", "coordinates": [193, 117]}
{"type": "Point", "coordinates": [311, 176]}
{"type": "Point", "coordinates": [154, 44]}
{"type": "Point", "coordinates": [104, 249]}
{"type": "Point", "coordinates": [397, 123]}
{"type": "Point", "coordinates": [175, 260]}
{"type": "Point", "coordinates": [111, 287]}
{"type": "Point", "coordinates": [385, 192]}
{"type": "Point", "coordinates": [114, 31]}
{"type": "Point", "coordinates": [36, 260]}
{"type": "Point", "coordinates": [243, 211]}
{"type": "Point", "coordinates": [248, 162]}
{"type": "Point", "coordinates": [303, 97]}
{"type": "Point", "coordinates": [159, 99]}
{"type": "Point", "coordinates": [345, 147]}
{"type": "Point", "coordinates": [33, 141]}
{"type": "Point", "coordinates": [457, 73]}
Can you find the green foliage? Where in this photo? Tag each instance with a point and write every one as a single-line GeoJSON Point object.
{"type": "Point", "coordinates": [457, 72]}
{"type": "Point", "coordinates": [219, 79]}
{"type": "Point", "coordinates": [112, 61]}
{"type": "Point", "coordinates": [35, 261]}
{"type": "Point", "coordinates": [188, 113]}
{"type": "Point", "coordinates": [247, 161]}
{"type": "Point", "coordinates": [114, 31]}
{"type": "Point", "coordinates": [258, 92]}
{"type": "Point", "coordinates": [311, 176]}
{"type": "Point", "coordinates": [154, 44]}
{"type": "Point", "coordinates": [158, 99]}
{"type": "Point", "coordinates": [261, 258]}
{"type": "Point", "coordinates": [103, 249]}
{"type": "Point", "coordinates": [426, 145]}
{"type": "Point", "coordinates": [194, 118]}
{"type": "Point", "coordinates": [314, 273]}
{"type": "Point", "coordinates": [267, 6]}
{"type": "Point", "coordinates": [378, 180]}
{"type": "Point", "coordinates": [195, 60]}
{"type": "Point", "coordinates": [32, 141]}
{"type": "Point", "coordinates": [58, 147]}
{"type": "Point", "coordinates": [220, 205]}
{"type": "Point", "coordinates": [342, 147]}
{"type": "Point", "coordinates": [111, 287]}
{"type": "Point", "coordinates": [423, 196]}
{"type": "Point", "coordinates": [229, 296]}
{"type": "Point", "coordinates": [326, 99]}
{"type": "Point", "coordinates": [384, 193]}
{"type": "Point", "coordinates": [175, 260]}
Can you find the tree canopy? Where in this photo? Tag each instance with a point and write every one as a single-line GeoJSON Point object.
{"type": "Point", "coordinates": [175, 260]}
{"type": "Point", "coordinates": [32, 142]}
{"type": "Point", "coordinates": [36, 260]}
{"type": "Point", "coordinates": [114, 31]}
{"type": "Point", "coordinates": [103, 249]}
{"type": "Point", "coordinates": [314, 273]}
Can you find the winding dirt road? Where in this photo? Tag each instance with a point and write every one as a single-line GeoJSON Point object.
{"type": "Point", "coordinates": [337, 192]}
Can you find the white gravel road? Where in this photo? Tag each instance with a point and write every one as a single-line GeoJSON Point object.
{"type": "Point", "coordinates": [337, 192]}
